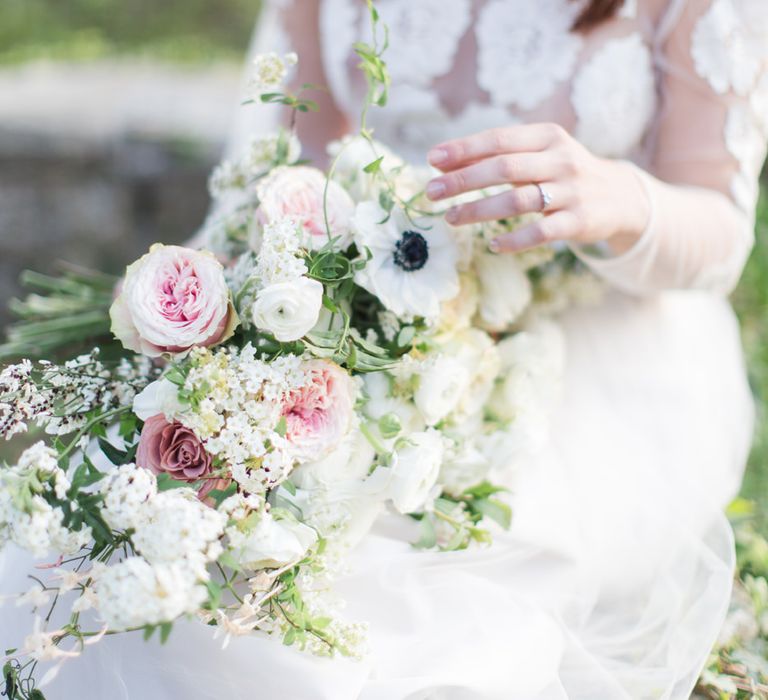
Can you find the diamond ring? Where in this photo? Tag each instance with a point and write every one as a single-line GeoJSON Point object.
{"type": "Point", "coordinates": [546, 197]}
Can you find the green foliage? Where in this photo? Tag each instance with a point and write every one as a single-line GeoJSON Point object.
{"type": "Point", "coordinates": [751, 302]}
{"type": "Point", "coordinates": [178, 30]}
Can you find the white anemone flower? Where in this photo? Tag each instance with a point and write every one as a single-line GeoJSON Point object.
{"type": "Point", "coordinates": [413, 265]}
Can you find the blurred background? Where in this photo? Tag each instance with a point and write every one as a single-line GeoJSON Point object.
{"type": "Point", "coordinates": [112, 114]}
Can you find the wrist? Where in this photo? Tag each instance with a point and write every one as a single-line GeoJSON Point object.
{"type": "Point", "coordinates": [634, 207]}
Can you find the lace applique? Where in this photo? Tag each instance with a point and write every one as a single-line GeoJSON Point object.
{"type": "Point", "coordinates": [425, 35]}
{"type": "Point", "coordinates": [614, 97]}
{"type": "Point", "coordinates": [746, 144]}
{"type": "Point", "coordinates": [729, 45]}
{"type": "Point", "coordinates": [525, 49]}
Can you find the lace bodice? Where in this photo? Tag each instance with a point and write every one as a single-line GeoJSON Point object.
{"type": "Point", "coordinates": [679, 87]}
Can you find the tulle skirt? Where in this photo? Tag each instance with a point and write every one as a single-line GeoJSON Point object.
{"type": "Point", "coordinates": [611, 585]}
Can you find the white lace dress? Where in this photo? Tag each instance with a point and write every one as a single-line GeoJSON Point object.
{"type": "Point", "coordinates": [616, 575]}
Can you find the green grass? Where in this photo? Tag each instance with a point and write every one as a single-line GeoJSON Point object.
{"type": "Point", "coordinates": [751, 302]}
{"type": "Point", "coordinates": [176, 30]}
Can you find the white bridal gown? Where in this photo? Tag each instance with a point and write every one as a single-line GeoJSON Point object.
{"type": "Point", "coordinates": [615, 577]}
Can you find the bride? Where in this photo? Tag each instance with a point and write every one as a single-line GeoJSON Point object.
{"type": "Point", "coordinates": [638, 128]}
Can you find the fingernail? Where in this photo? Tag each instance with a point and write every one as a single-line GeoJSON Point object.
{"type": "Point", "coordinates": [435, 189]}
{"type": "Point", "coordinates": [452, 215]}
{"type": "Point", "coordinates": [437, 156]}
{"type": "Point", "coordinates": [494, 245]}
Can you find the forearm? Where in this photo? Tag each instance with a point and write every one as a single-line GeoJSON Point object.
{"type": "Point", "coordinates": [696, 238]}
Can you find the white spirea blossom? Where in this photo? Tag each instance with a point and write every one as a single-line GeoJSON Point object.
{"type": "Point", "coordinates": [269, 72]}
{"type": "Point", "coordinates": [179, 529]}
{"type": "Point", "coordinates": [135, 593]}
{"type": "Point", "coordinates": [126, 493]}
{"type": "Point", "coordinates": [279, 253]}
{"type": "Point", "coordinates": [240, 409]}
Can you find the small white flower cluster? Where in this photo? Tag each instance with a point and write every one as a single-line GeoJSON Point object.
{"type": "Point", "coordinates": [135, 593]}
{"type": "Point", "coordinates": [27, 518]}
{"type": "Point", "coordinates": [279, 255]}
{"type": "Point", "coordinates": [59, 397]}
{"type": "Point", "coordinates": [178, 529]}
{"type": "Point", "coordinates": [261, 154]}
{"type": "Point", "coordinates": [126, 492]}
{"type": "Point", "coordinates": [240, 409]}
{"type": "Point", "coordinates": [268, 73]}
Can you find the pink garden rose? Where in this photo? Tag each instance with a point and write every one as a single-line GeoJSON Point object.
{"type": "Point", "coordinates": [171, 448]}
{"type": "Point", "coordinates": [319, 414]}
{"type": "Point", "coordinates": [173, 299]}
{"type": "Point", "coordinates": [297, 193]}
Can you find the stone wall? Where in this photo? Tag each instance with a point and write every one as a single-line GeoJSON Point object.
{"type": "Point", "coordinates": [98, 185]}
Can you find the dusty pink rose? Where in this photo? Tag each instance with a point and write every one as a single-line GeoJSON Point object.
{"type": "Point", "coordinates": [171, 448]}
{"type": "Point", "coordinates": [297, 193]}
{"type": "Point", "coordinates": [173, 299]}
{"type": "Point", "coordinates": [319, 414]}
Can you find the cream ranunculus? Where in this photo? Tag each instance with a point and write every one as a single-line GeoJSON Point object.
{"type": "Point", "coordinates": [505, 290]}
{"type": "Point", "coordinates": [275, 542]}
{"type": "Point", "coordinates": [160, 397]}
{"type": "Point", "coordinates": [173, 299]}
{"type": "Point", "coordinates": [415, 469]}
{"type": "Point", "coordinates": [288, 310]}
{"type": "Point", "coordinates": [442, 383]}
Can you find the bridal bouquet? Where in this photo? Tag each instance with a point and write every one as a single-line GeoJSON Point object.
{"type": "Point", "coordinates": [335, 351]}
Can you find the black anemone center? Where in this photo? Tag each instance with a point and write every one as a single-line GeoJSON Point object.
{"type": "Point", "coordinates": [412, 251]}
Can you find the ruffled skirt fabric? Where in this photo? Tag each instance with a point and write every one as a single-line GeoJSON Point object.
{"type": "Point", "coordinates": [611, 585]}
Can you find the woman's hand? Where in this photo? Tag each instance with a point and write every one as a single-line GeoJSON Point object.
{"type": "Point", "coordinates": [589, 199]}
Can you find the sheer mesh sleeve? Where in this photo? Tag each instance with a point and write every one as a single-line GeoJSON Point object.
{"type": "Point", "coordinates": [705, 154]}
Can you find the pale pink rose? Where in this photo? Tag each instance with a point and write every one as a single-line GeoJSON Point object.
{"type": "Point", "coordinates": [297, 193]}
{"type": "Point", "coordinates": [173, 449]}
{"type": "Point", "coordinates": [319, 414]}
{"type": "Point", "coordinates": [173, 299]}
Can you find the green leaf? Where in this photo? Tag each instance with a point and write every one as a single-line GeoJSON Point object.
{"type": "Point", "coordinates": [228, 559]}
{"type": "Point", "coordinates": [289, 486]}
{"type": "Point", "coordinates": [165, 482]}
{"type": "Point", "coordinates": [290, 637]}
{"type": "Point", "coordinates": [114, 454]}
{"type": "Point", "coordinates": [484, 490]}
{"type": "Point", "coordinates": [149, 630]}
{"type": "Point", "coordinates": [374, 167]}
{"type": "Point", "coordinates": [165, 631]}
{"type": "Point", "coordinates": [428, 534]}
{"type": "Point", "coordinates": [218, 496]}
{"type": "Point", "coordinates": [214, 594]}
{"type": "Point", "coordinates": [282, 426]}
{"type": "Point", "coordinates": [495, 510]}
{"type": "Point", "coordinates": [390, 426]}
{"type": "Point", "coordinates": [36, 694]}
{"type": "Point", "coordinates": [405, 336]}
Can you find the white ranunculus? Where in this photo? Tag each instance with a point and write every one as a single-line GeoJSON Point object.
{"type": "Point", "coordinates": [415, 469]}
{"type": "Point", "coordinates": [442, 383]}
{"type": "Point", "coordinates": [276, 542]}
{"type": "Point", "coordinates": [288, 310]}
{"type": "Point", "coordinates": [160, 397]}
{"type": "Point", "coordinates": [505, 290]}
{"type": "Point", "coordinates": [413, 267]}
{"type": "Point", "coordinates": [381, 402]}
{"type": "Point", "coordinates": [464, 466]}
{"type": "Point", "coordinates": [475, 350]}
{"type": "Point", "coordinates": [350, 462]}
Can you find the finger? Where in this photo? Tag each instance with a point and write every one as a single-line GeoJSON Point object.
{"type": "Point", "coordinates": [498, 170]}
{"type": "Point", "coordinates": [515, 202]}
{"type": "Point", "coordinates": [559, 226]}
{"type": "Point", "coordinates": [514, 139]}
